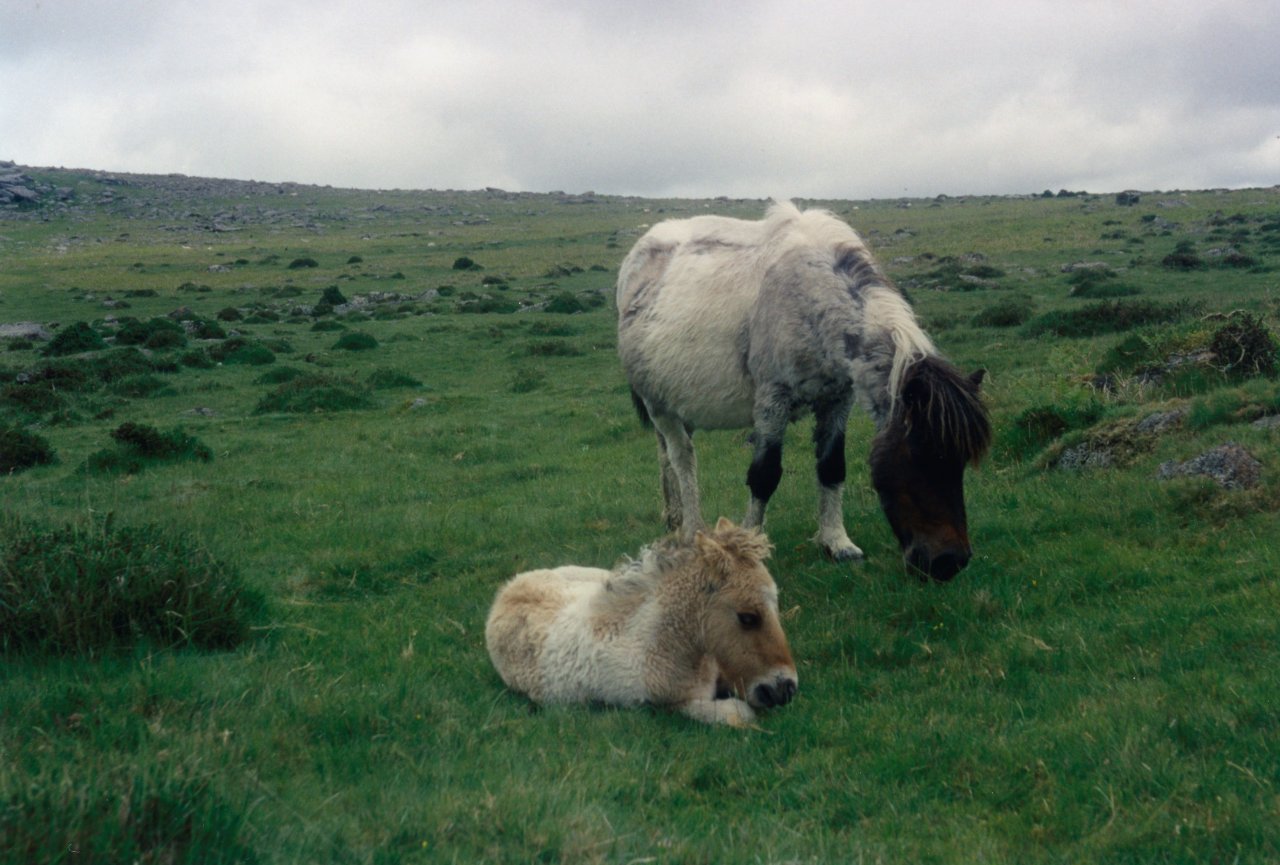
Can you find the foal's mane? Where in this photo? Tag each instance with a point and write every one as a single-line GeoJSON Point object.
{"type": "Point", "coordinates": [941, 405]}
{"type": "Point", "coordinates": [723, 550]}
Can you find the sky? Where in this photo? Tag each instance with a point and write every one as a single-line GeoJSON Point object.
{"type": "Point", "coordinates": [658, 98]}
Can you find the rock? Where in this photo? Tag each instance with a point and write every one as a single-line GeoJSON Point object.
{"type": "Point", "coordinates": [25, 330]}
{"type": "Point", "coordinates": [1161, 421]}
{"type": "Point", "coordinates": [1229, 465]}
{"type": "Point", "coordinates": [1271, 421]}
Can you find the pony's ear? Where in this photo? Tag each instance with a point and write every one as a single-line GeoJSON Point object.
{"type": "Point", "coordinates": [976, 377]}
{"type": "Point", "coordinates": [722, 524]}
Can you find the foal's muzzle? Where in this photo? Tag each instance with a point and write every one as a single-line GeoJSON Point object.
{"type": "Point", "coordinates": [776, 693]}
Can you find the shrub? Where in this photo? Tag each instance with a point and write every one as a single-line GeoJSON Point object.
{"type": "Point", "coordinates": [385, 379]}
{"type": "Point", "coordinates": [1183, 258]}
{"type": "Point", "coordinates": [332, 296]}
{"type": "Point", "coordinates": [356, 341]}
{"type": "Point", "coordinates": [355, 259]}
{"type": "Point", "coordinates": [565, 303]}
{"type": "Point", "coordinates": [1006, 313]}
{"type": "Point", "coordinates": [1037, 426]}
{"type": "Point", "coordinates": [138, 445]}
{"type": "Point", "coordinates": [465, 263]}
{"type": "Point", "coordinates": [279, 375]}
{"type": "Point", "coordinates": [20, 450]}
{"type": "Point", "coordinates": [237, 349]}
{"type": "Point", "coordinates": [1110, 317]}
{"type": "Point", "coordinates": [299, 263]}
{"type": "Point", "coordinates": [315, 393]}
{"type": "Point", "coordinates": [91, 588]}
{"type": "Point", "coordinates": [229, 313]}
{"type": "Point", "coordinates": [204, 329]}
{"type": "Point", "coordinates": [74, 339]}
{"type": "Point", "coordinates": [156, 333]}
{"type": "Point", "coordinates": [1244, 347]}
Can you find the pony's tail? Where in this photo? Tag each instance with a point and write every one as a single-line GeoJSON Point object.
{"type": "Point", "coordinates": [642, 410]}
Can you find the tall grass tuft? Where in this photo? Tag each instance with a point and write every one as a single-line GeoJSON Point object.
{"type": "Point", "coordinates": [148, 813]}
{"type": "Point", "coordinates": [85, 589]}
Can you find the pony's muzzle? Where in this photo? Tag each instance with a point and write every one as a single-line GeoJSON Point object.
{"type": "Point", "coordinates": [775, 693]}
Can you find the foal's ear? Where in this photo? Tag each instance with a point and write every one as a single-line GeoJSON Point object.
{"type": "Point", "coordinates": [977, 376]}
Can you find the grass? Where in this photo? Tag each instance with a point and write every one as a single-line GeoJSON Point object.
{"type": "Point", "coordinates": [1099, 685]}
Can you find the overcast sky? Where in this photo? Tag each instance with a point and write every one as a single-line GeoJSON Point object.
{"type": "Point", "coordinates": [841, 99]}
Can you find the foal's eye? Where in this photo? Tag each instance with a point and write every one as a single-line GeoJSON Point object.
{"type": "Point", "coordinates": [750, 621]}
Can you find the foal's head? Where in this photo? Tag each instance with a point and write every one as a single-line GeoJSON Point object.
{"type": "Point", "coordinates": [740, 621]}
{"type": "Point", "coordinates": [939, 425]}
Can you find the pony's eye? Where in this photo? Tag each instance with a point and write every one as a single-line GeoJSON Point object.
{"type": "Point", "coordinates": [750, 621]}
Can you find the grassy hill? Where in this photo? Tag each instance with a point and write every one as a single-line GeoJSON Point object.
{"type": "Point", "coordinates": [283, 443]}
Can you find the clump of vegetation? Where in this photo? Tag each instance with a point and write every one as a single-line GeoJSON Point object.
{"type": "Point", "coordinates": [1037, 426]}
{"type": "Point", "coordinates": [1183, 258]}
{"type": "Point", "coordinates": [1110, 317]}
{"type": "Point", "coordinates": [386, 379]}
{"type": "Point", "coordinates": [140, 445]}
{"type": "Point", "coordinates": [315, 393]}
{"type": "Point", "coordinates": [74, 339]}
{"type": "Point", "coordinates": [240, 350]}
{"type": "Point", "coordinates": [92, 588]}
{"type": "Point", "coordinates": [205, 329]}
{"type": "Point", "coordinates": [140, 386]}
{"type": "Point", "coordinates": [130, 813]}
{"type": "Point", "coordinates": [1244, 347]}
{"type": "Point", "coordinates": [158, 333]}
{"type": "Point", "coordinates": [1097, 283]}
{"type": "Point", "coordinates": [554, 348]}
{"type": "Point", "coordinates": [565, 303]}
{"type": "Point", "coordinates": [332, 297]}
{"type": "Point", "coordinates": [300, 263]}
{"type": "Point", "coordinates": [279, 375]}
{"type": "Point", "coordinates": [355, 259]}
{"type": "Point", "coordinates": [328, 324]}
{"type": "Point", "coordinates": [464, 262]}
{"type": "Point", "coordinates": [20, 450]}
{"type": "Point", "coordinates": [230, 313]}
{"type": "Point", "coordinates": [356, 341]}
{"type": "Point", "coordinates": [1006, 313]}
{"type": "Point", "coordinates": [498, 305]}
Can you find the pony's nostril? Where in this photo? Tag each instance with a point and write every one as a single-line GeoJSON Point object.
{"type": "Point", "coordinates": [786, 690]}
{"type": "Point", "coordinates": [947, 565]}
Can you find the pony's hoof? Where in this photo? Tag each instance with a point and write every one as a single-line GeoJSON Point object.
{"type": "Point", "coordinates": [845, 554]}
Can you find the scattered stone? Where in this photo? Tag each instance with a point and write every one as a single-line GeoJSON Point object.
{"type": "Point", "coordinates": [1162, 421]}
{"type": "Point", "coordinates": [201, 411]}
{"type": "Point", "coordinates": [25, 330]}
{"type": "Point", "coordinates": [1271, 421]}
{"type": "Point", "coordinates": [1228, 465]}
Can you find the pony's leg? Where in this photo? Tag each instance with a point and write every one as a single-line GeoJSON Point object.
{"type": "Point", "coordinates": [672, 510]}
{"type": "Point", "coordinates": [771, 413]}
{"type": "Point", "coordinates": [829, 425]}
{"type": "Point", "coordinates": [677, 443]}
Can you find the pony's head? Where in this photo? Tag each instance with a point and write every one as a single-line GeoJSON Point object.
{"type": "Point", "coordinates": [937, 427]}
{"type": "Point", "coordinates": [740, 620]}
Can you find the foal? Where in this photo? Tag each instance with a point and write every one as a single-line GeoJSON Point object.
{"type": "Point", "coordinates": [693, 626]}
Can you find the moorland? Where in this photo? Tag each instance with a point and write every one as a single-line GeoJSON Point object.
{"type": "Point", "coordinates": [270, 449]}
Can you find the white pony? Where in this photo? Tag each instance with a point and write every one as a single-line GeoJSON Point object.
{"type": "Point", "coordinates": [692, 626]}
{"type": "Point", "coordinates": [725, 323]}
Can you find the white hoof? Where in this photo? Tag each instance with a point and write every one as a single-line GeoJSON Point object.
{"type": "Point", "coordinates": [841, 549]}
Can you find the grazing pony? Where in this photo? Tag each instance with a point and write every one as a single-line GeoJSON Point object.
{"type": "Point", "coordinates": [727, 323]}
{"type": "Point", "coordinates": [692, 625]}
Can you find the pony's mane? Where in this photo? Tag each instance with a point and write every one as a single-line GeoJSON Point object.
{"type": "Point", "coordinates": [945, 408]}
{"type": "Point", "coordinates": [886, 309]}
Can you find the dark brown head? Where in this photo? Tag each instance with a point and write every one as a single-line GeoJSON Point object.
{"type": "Point", "coordinates": [939, 425]}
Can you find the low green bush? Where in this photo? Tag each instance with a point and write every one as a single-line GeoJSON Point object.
{"type": "Point", "coordinates": [74, 339]}
{"type": "Point", "coordinates": [20, 449]}
{"type": "Point", "coordinates": [315, 393]}
{"type": "Point", "coordinates": [1110, 317]}
{"type": "Point", "coordinates": [82, 589]}
{"type": "Point", "coordinates": [140, 445]}
{"type": "Point", "coordinates": [356, 341]}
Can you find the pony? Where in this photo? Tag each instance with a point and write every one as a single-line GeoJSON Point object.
{"type": "Point", "coordinates": [727, 323]}
{"type": "Point", "coordinates": [690, 625]}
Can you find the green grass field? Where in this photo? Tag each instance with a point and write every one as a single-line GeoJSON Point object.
{"type": "Point", "coordinates": [1102, 684]}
